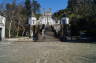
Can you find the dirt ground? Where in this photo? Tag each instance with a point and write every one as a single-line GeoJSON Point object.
{"type": "Point", "coordinates": [47, 52]}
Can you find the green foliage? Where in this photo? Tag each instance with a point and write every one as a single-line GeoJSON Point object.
{"type": "Point", "coordinates": [37, 16]}
{"type": "Point", "coordinates": [82, 14]}
{"type": "Point", "coordinates": [32, 7]}
{"type": "Point", "coordinates": [60, 13]}
{"type": "Point", "coordinates": [35, 6]}
{"type": "Point", "coordinates": [28, 7]}
{"type": "Point", "coordinates": [83, 7]}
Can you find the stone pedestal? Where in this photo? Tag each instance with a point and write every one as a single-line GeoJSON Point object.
{"type": "Point", "coordinates": [32, 23]}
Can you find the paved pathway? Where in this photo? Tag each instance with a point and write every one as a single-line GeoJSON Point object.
{"type": "Point", "coordinates": [47, 52]}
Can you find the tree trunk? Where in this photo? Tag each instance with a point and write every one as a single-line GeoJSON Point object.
{"type": "Point", "coordinates": [9, 30]}
{"type": "Point", "coordinates": [17, 34]}
{"type": "Point", "coordinates": [23, 32]}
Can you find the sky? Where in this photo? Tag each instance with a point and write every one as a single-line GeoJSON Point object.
{"type": "Point", "coordinates": [55, 5]}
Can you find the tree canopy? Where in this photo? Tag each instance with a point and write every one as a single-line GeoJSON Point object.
{"type": "Point", "coordinates": [84, 14]}
{"type": "Point", "coordinates": [17, 16]}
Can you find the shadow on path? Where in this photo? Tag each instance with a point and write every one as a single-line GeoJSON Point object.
{"type": "Point", "coordinates": [80, 41]}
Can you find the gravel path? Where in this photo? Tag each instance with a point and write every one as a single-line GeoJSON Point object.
{"type": "Point", "coordinates": [47, 52]}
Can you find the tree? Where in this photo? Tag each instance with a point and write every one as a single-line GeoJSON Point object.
{"type": "Point", "coordinates": [16, 19]}
{"type": "Point", "coordinates": [87, 10]}
{"type": "Point", "coordinates": [84, 12]}
{"type": "Point", "coordinates": [35, 7]}
{"type": "Point", "coordinates": [10, 15]}
{"type": "Point", "coordinates": [28, 7]}
{"type": "Point", "coordinates": [83, 7]}
{"type": "Point", "coordinates": [17, 16]}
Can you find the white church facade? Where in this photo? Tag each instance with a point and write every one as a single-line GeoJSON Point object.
{"type": "Point", "coordinates": [2, 27]}
{"type": "Point", "coordinates": [46, 19]}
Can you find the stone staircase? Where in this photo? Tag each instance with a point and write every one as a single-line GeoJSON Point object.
{"type": "Point", "coordinates": [49, 37]}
